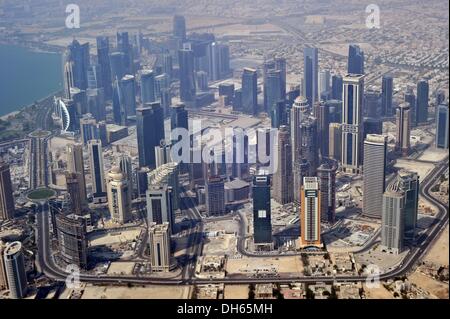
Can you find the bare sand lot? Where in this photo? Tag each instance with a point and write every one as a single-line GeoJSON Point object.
{"type": "Point", "coordinates": [146, 292]}
{"type": "Point", "coordinates": [434, 287]}
{"type": "Point", "coordinates": [291, 264]}
{"type": "Point", "coordinates": [236, 292]}
{"type": "Point", "coordinates": [377, 293]}
{"type": "Point", "coordinates": [439, 253]}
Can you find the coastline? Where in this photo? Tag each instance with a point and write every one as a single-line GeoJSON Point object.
{"type": "Point", "coordinates": [13, 113]}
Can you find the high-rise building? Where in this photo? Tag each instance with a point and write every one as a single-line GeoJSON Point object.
{"type": "Point", "coordinates": [76, 63]}
{"type": "Point", "coordinates": [147, 86]}
{"type": "Point", "coordinates": [96, 103]}
{"type": "Point", "coordinates": [187, 76]}
{"type": "Point", "coordinates": [309, 149]}
{"type": "Point", "coordinates": [3, 278]}
{"type": "Point", "coordinates": [167, 65]}
{"type": "Point", "coordinates": [422, 102]}
{"type": "Point", "coordinates": [75, 164]}
{"type": "Point", "coordinates": [372, 126]}
{"type": "Point", "coordinates": [124, 163]}
{"type": "Point", "coordinates": [352, 123]}
{"type": "Point", "coordinates": [355, 60]}
{"type": "Point", "coordinates": [215, 196]}
{"type": "Point", "coordinates": [97, 170]}
{"type": "Point", "coordinates": [159, 205]}
{"type": "Point", "coordinates": [73, 189]}
{"type": "Point", "coordinates": [310, 75]}
{"type": "Point", "coordinates": [127, 95]}
{"type": "Point", "coordinates": [336, 87]}
{"type": "Point", "coordinates": [310, 212]}
{"type": "Point", "coordinates": [6, 193]}
{"type": "Point", "coordinates": [105, 65]}
{"type": "Point", "coordinates": [272, 94]}
{"type": "Point", "coordinates": [442, 126]}
{"type": "Point", "coordinates": [117, 64]}
{"type": "Point", "coordinates": [262, 224]}
{"type": "Point", "coordinates": [402, 121]}
{"type": "Point", "coordinates": [324, 117]}
{"type": "Point", "coordinates": [119, 196]}
{"type": "Point", "coordinates": [179, 27]}
{"type": "Point", "coordinates": [408, 182]}
{"type": "Point", "coordinates": [72, 240]}
{"type": "Point", "coordinates": [372, 103]}
{"type": "Point", "coordinates": [15, 270]}
{"type": "Point", "coordinates": [392, 222]}
{"type": "Point", "coordinates": [375, 149]}
{"type": "Point", "coordinates": [326, 174]}
{"type": "Point", "coordinates": [150, 132]}
{"type": "Point", "coordinates": [410, 98]}
{"type": "Point", "coordinates": [299, 110]}
{"type": "Point", "coordinates": [124, 46]}
{"type": "Point", "coordinates": [283, 179]}
{"type": "Point", "coordinates": [335, 141]}
{"type": "Point", "coordinates": [387, 86]}
{"type": "Point", "coordinates": [159, 239]}
{"type": "Point", "coordinates": [250, 91]}
{"type": "Point", "coordinates": [324, 84]}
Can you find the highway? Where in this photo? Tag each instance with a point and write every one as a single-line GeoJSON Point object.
{"type": "Point", "coordinates": [47, 265]}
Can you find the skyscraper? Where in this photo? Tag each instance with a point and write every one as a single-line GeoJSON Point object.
{"type": "Point", "coordinates": [97, 170]}
{"type": "Point", "coordinates": [249, 91]}
{"type": "Point", "coordinates": [6, 193]}
{"type": "Point", "coordinates": [127, 95]}
{"type": "Point", "coordinates": [442, 127]}
{"type": "Point", "coordinates": [159, 239]}
{"type": "Point", "coordinates": [336, 87]}
{"type": "Point", "coordinates": [310, 75]}
{"type": "Point", "coordinates": [119, 196]}
{"type": "Point", "coordinates": [375, 149]}
{"type": "Point", "coordinates": [105, 65]}
{"type": "Point", "coordinates": [410, 98]}
{"type": "Point", "coordinates": [15, 270]}
{"type": "Point", "coordinates": [335, 141]}
{"type": "Point", "coordinates": [179, 27]}
{"type": "Point", "coordinates": [355, 60]}
{"type": "Point", "coordinates": [324, 117]}
{"type": "Point", "coordinates": [187, 76]}
{"type": "Point", "coordinates": [386, 95]}
{"type": "Point", "coordinates": [283, 179]}
{"type": "Point", "coordinates": [352, 123]}
{"type": "Point", "coordinates": [73, 189]}
{"type": "Point", "coordinates": [124, 46]}
{"type": "Point", "coordinates": [408, 182]}
{"type": "Point", "coordinates": [422, 101]}
{"type": "Point", "coordinates": [215, 196]}
{"type": "Point", "coordinates": [75, 164]}
{"type": "Point", "coordinates": [147, 86]}
{"type": "Point", "coordinates": [117, 64]}
{"type": "Point", "coordinates": [150, 132]}
{"type": "Point", "coordinates": [272, 95]}
{"type": "Point", "coordinates": [159, 205]}
{"type": "Point", "coordinates": [324, 84]}
{"type": "Point", "coordinates": [310, 212]}
{"type": "Point", "coordinates": [299, 110]}
{"type": "Point", "coordinates": [76, 63]}
{"type": "Point", "coordinates": [392, 223]}
{"type": "Point", "coordinates": [72, 240]}
{"type": "Point", "coordinates": [372, 102]}
{"type": "Point", "coordinates": [326, 173]}
{"type": "Point", "coordinates": [309, 148]}
{"type": "Point", "coordinates": [262, 224]}
{"type": "Point", "coordinates": [402, 121]}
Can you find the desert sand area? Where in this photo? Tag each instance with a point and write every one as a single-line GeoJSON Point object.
{"type": "Point", "coordinates": [377, 293]}
{"type": "Point", "coordinates": [435, 288]}
{"type": "Point", "coordinates": [249, 265]}
{"type": "Point", "coordinates": [236, 292]}
{"type": "Point", "coordinates": [143, 292]}
{"type": "Point", "coordinates": [439, 253]}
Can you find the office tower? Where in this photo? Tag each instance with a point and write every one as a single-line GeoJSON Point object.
{"type": "Point", "coordinates": [119, 196]}
{"type": "Point", "coordinates": [76, 63]}
{"type": "Point", "coordinates": [160, 209]}
{"type": "Point", "coordinates": [159, 239]}
{"type": "Point", "coordinates": [439, 97]}
{"type": "Point", "coordinates": [202, 81]}
{"type": "Point", "coordinates": [117, 63]}
{"type": "Point", "coordinates": [351, 123]}
{"type": "Point", "coordinates": [283, 179]}
{"type": "Point", "coordinates": [163, 155]}
{"type": "Point", "coordinates": [309, 149]}
{"type": "Point", "coordinates": [187, 76]}
{"type": "Point", "coordinates": [96, 104]}
{"type": "Point", "coordinates": [324, 117]}
{"type": "Point", "coordinates": [372, 102]}
{"type": "Point", "coordinates": [280, 64]}
{"type": "Point", "coordinates": [237, 100]}
{"type": "Point", "coordinates": [215, 196]}
{"type": "Point", "coordinates": [79, 98]}
{"type": "Point", "coordinates": [127, 95]}
{"type": "Point", "coordinates": [326, 173]}
{"type": "Point", "coordinates": [97, 170]}
{"type": "Point", "coordinates": [250, 91]}
{"type": "Point", "coordinates": [299, 110]}
{"type": "Point", "coordinates": [310, 75]}
{"type": "Point", "coordinates": [150, 132]}
{"type": "Point", "coordinates": [167, 174]}
{"type": "Point", "coordinates": [310, 212]}
{"type": "Point", "coordinates": [279, 115]}
{"type": "Point", "coordinates": [355, 60]}
{"type": "Point", "coordinates": [6, 193]}
{"type": "Point", "coordinates": [105, 65]}
{"type": "Point", "coordinates": [147, 86]}
{"type": "Point", "coordinates": [73, 189]}
{"type": "Point", "coordinates": [375, 150]}
{"type": "Point", "coordinates": [422, 102]}
{"type": "Point", "coordinates": [336, 87]}
{"type": "Point", "coordinates": [442, 126]}
{"type": "Point", "coordinates": [179, 27]}
{"type": "Point", "coordinates": [402, 121]}
{"type": "Point", "coordinates": [262, 224]}
{"type": "Point", "coordinates": [386, 95]}
{"type": "Point", "coordinates": [178, 120]}
{"type": "Point", "coordinates": [226, 89]}
{"type": "Point", "coordinates": [3, 278]}
{"type": "Point", "coordinates": [75, 164]}
{"type": "Point", "coordinates": [324, 84]}
{"type": "Point", "coordinates": [273, 92]}
{"type": "Point", "coordinates": [124, 163]}
{"type": "Point", "coordinates": [93, 77]}
{"type": "Point", "coordinates": [162, 83]}
{"type": "Point", "coordinates": [72, 239]}
{"type": "Point", "coordinates": [88, 128]}
{"type": "Point", "coordinates": [142, 181]}
{"type": "Point", "coordinates": [335, 110]}
{"type": "Point", "coordinates": [392, 222]}
{"type": "Point", "coordinates": [410, 98]}
{"type": "Point", "coordinates": [124, 46]}
{"type": "Point", "coordinates": [408, 182]}
{"type": "Point", "coordinates": [167, 65]}
{"type": "Point", "coordinates": [372, 126]}
{"type": "Point", "coordinates": [15, 270]}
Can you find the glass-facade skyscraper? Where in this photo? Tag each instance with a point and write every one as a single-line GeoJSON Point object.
{"type": "Point", "coordinates": [262, 223]}
{"type": "Point", "coordinates": [310, 75]}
